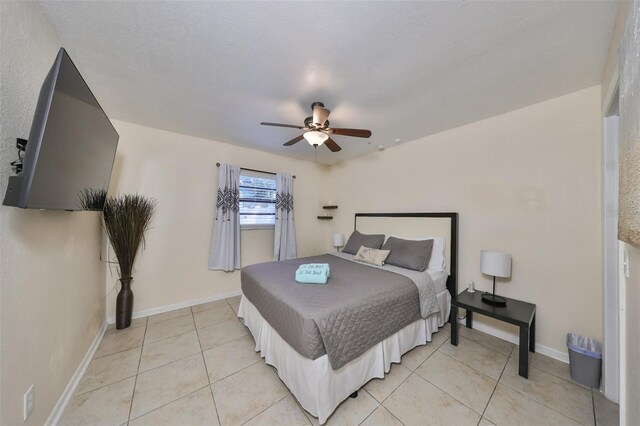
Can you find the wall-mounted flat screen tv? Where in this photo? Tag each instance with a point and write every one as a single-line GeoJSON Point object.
{"type": "Point", "coordinates": [71, 146]}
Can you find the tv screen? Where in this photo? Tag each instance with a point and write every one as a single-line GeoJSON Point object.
{"type": "Point", "coordinates": [71, 146]}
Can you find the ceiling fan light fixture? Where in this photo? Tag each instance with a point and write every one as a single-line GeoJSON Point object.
{"type": "Point", "coordinates": [315, 137]}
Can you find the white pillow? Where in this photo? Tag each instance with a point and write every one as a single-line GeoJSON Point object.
{"type": "Point", "coordinates": [437, 262]}
{"type": "Point", "coordinates": [371, 256]}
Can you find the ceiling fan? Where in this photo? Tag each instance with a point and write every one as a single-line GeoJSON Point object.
{"type": "Point", "coordinates": [317, 130]}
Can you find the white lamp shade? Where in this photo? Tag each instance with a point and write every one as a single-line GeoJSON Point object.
{"type": "Point", "coordinates": [338, 240]}
{"type": "Point", "coordinates": [315, 137]}
{"type": "Point", "coordinates": [495, 263]}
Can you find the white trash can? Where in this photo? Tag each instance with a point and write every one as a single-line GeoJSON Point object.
{"type": "Point", "coordinates": [585, 360]}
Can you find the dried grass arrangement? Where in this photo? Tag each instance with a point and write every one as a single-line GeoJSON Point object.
{"type": "Point", "coordinates": [126, 219]}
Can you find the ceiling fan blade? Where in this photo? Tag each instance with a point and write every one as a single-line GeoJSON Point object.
{"type": "Point", "coordinates": [332, 145]}
{"type": "Point", "coordinates": [320, 115]}
{"type": "Point", "coordinates": [358, 133]}
{"type": "Point", "coordinates": [264, 123]}
{"type": "Point", "coordinates": [294, 140]}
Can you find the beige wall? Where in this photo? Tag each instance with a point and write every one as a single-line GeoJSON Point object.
{"type": "Point", "coordinates": [180, 171]}
{"type": "Point", "coordinates": [51, 279]}
{"type": "Point", "coordinates": [526, 182]}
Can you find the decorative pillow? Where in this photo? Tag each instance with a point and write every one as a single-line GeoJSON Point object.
{"type": "Point", "coordinates": [357, 240]}
{"type": "Point", "coordinates": [437, 262]}
{"type": "Point", "coordinates": [371, 256]}
{"type": "Point", "coordinates": [408, 253]}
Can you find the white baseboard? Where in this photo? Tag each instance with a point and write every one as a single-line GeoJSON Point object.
{"type": "Point", "coordinates": [188, 303]}
{"type": "Point", "coordinates": [57, 411]}
{"type": "Point", "coordinates": [512, 338]}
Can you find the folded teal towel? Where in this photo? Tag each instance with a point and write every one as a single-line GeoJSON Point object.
{"type": "Point", "coordinates": [316, 266]}
{"type": "Point", "coordinates": [313, 273]}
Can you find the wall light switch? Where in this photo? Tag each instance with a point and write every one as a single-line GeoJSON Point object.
{"type": "Point", "coordinates": [28, 403]}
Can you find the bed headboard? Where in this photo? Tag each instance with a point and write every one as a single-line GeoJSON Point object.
{"type": "Point", "coordinates": [412, 225]}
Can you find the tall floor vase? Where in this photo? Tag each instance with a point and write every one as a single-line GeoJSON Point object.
{"type": "Point", "coordinates": [124, 304]}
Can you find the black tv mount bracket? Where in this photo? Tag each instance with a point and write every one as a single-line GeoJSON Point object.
{"type": "Point", "coordinates": [16, 165]}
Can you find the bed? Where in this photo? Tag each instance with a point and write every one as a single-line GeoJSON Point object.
{"type": "Point", "coordinates": [327, 341]}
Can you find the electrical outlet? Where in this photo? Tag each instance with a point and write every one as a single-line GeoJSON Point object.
{"type": "Point", "coordinates": [28, 403]}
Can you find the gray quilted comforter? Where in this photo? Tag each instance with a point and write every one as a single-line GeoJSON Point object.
{"type": "Point", "coordinates": [358, 307]}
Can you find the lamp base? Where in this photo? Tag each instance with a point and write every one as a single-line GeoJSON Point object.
{"type": "Point", "coordinates": [492, 299]}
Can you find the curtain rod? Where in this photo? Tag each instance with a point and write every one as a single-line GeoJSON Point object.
{"type": "Point", "coordinates": [254, 170]}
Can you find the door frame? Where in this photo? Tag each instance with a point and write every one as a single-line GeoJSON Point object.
{"type": "Point", "coordinates": [612, 379]}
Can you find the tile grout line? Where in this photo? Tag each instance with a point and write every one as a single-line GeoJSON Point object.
{"type": "Point", "coordinates": [109, 384]}
{"type": "Point", "coordinates": [135, 382]}
{"type": "Point", "coordinates": [275, 403]}
{"type": "Point", "coordinates": [210, 384]}
{"type": "Point", "coordinates": [121, 350]}
{"type": "Point", "coordinates": [166, 319]}
{"type": "Point", "coordinates": [482, 343]}
{"type": "Point", "coordinates": [228, 303]}
{"type": "Point", "coordinates": [304, 412]}
{"type": "Point", "coordinates": [480, 372]}
{"type": "Point", "coordinates": [184, 396]}
{"type": "Point", "coordinates": [405, 379]}
{"type": "Point", "coordinates": [167, 338]}
{"type": "Point", "coordinates": [104, 356]}
{"type": "Point", "coordinates": [593, 406]}
{"type": "Point", "coordinates": [472, 367]}
{"type": "Point", "coordinates": [167, 403]}
{"type": "Point", "coordinates": [175, 360]}
{"type": "Point", "coordinates": [155, 368]}
{"type": "Point", "coordinates": [220, 322]}
{"type": "Point", "coordinates": [242, 369]}
{"type": "Point", "coordinates": [544, 403]}
{"type": "Point", "coordinates": [570, 381]}
{"type": "Point", "coordinates": [448, 394]}
{"type": "Point", "coordinates": [118, 352]}
{"type": "Point", "coordinates": [394, 389]}
{"type": "Point", "coordinates": [228, 341]}
{"type": "Point", "coordinates": [213, 398]}
{"type": "Point", "coordinates": [379, 405]}
{"type": "Point", "coordinates": [195, 326]}
{"type": "Point", "coordinates": [410, 371]}
{"type": "Point", "coordinates": [382, 406]}
{"type": "Point", "coordinates": [141, 347]}
{"type": "Point", "coordinates": [539, 402]}
{"type": "Point", "coordinates": [218, 308]}
{"type": "Point", "coordinates": [495, 387]}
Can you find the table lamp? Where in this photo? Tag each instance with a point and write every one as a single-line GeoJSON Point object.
{"type": "Point", "coordinates": [498, 264]}
{"type": "Point", "coordinates": [338, 241]}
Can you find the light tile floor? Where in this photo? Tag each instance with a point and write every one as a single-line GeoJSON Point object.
{"type": "Point", "coordinates": [197, 366]}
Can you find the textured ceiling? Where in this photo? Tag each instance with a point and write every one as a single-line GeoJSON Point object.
{"type": "Point", "coordinates": [402, 69]}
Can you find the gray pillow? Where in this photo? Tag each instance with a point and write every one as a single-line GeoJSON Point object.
{"type": "Point", "coordinates": [357, 240]}
{"type": "Point", "coordinates": [408, 254]}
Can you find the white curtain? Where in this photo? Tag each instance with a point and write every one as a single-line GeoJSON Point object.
{"type": "Point", "coordinates": [284, 245]}
{"type": "Point", "coordinates": [225, 243]}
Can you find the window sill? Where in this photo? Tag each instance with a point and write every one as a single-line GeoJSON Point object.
{"type": "Point", "coordinates": [256, 227]}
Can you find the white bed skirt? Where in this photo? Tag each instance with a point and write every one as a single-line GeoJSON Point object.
{"type": "Point", "coordinates": [318, 387]}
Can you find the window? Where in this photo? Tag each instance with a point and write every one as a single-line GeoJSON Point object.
{"type": "Point", "coordinates": [257, 200]}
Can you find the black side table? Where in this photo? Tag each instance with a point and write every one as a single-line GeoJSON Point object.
{"type": "Point", "coordinates": [516, 312]}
